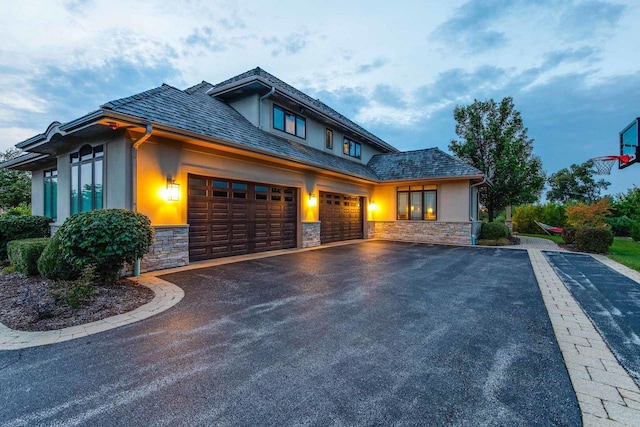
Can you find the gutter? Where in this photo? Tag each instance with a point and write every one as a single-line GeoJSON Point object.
{"type": "Point", "coordinates": [262, 98]}
{"type": "Point", "coordinates": [134, 181]}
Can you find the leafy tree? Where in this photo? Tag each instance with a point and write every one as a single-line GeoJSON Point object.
{"type": "Point", "coordinates": [494, 140]}
{"type": "Point", "coordinates": [589, 215]}
{"type": "Point", "coordinates": [628, 204]}
{"type": "Point", "coordinates": [576, 184]}
{"type": "Point", "coordinates": [15, 186]}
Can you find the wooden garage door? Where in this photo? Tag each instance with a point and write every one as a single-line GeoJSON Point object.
{"type": "Point", "coordinates": [340, 217]}
{"type": "Point", "coordinates": [228, 217]}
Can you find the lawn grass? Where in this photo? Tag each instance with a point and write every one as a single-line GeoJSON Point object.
{"type": "Point", "coordinates": [625, 251]}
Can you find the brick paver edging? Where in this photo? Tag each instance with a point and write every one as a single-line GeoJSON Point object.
{"type": "Point", "coordinates": [607, 395]}
{"type": "Point", "coordinates": [166, 296]}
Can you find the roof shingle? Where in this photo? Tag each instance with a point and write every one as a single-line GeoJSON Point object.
{"type": "Point", "coordinates": [419, 164]}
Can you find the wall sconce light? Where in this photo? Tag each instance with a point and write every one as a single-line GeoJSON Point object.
{"type": "Point", "coordinates": [372, 206]}
{"type": "Point", "coordinates": [173, 190]}
{"type": "Point", "coordinates": [313, 200]}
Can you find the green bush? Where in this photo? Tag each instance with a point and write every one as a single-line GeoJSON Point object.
{"type": "Point", "coordinates": [553, 214]}
{"type": "Point", "coordinates": [55, 262]}
{"type": "Point", "coordinates": [17, 227]}
{"type": "Point", "coordinates": [23, 254]}
{"type": "Point", "coordinates": [593, 239]}
{"type": "Point", "coordinates": [524, 217]}
{"type": "Point", "coordinates": [75, 293]}
{"type": "Point", "coordinates": [635, 231]}
{"type": "Point", "coordinates": [569, 234]}
{"type": "Point", "coordinates": [19, 210]}
{"type": "Point", "coordinates": [621, 225]}
{"type": "Point", "coordinates": [106, 239]}
{"type": "Point", "coordinates": [494, 231]}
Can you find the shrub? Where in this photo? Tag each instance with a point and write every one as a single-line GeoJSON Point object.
{"type": "Point", "coordinates": [494, 231]}
{"type": "Point", "coordinates": [75, 293]}
{"type": "Point", "coordinates": [524, 217]}
{"type": "Point", "coordinates": [55, 262]}
{"type": "Point", "coordinates": [24, 254]}
{"type": "Point", "coordinates": [635, 231]}
{"type": "Point", "coordinates": [621, 225]}
{"type": "Point", "coordinates": [106, 239]}
{"type": "Point", "coordinates": [593, 239]}
{"type": "Point", "coordinates": [592, 215]}
{"type": "Point", "coordinates": [553, 214]}
{"type": "Point", "coordinates": [17, 227]}
{"type": "Point", "coordinates": [19, 210]}
{"type": "Point", "coordinates": [569, 234]}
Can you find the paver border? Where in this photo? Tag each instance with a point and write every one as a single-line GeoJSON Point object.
{"type": "Point", "coordinates": [166, 296]}
{"type": "Point", "coordinates": [606, 393]}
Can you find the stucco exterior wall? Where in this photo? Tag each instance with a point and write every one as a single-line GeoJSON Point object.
{"type": "Point", "coordinates": [248, 107]}
{"type": "Point", "coordinates": [117, 192]}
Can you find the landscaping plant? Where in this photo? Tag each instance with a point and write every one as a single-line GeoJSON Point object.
{"type": "Point", "coordinates": [635, 232]}
{"type": "Point", "coordinates": [594, 239]}
{"type": "Point", "coordinates": [494, 231]}
{"type": "Point", "coordinates": [589, 215]}
{"type": "Point", "coordinates": [16, 227]}
{"type": "Point", "coordinates": [55, 262]}
{"type": "Point", "coordinates": [569, 234]}
{"type": "Point", "coordinates": [106, 239]}
{"type": "Point", "coordinates": [23, 254]}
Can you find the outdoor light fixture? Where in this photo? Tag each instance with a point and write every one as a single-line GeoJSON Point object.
{"type": "Point", "coordinates": [313, 200]}
{"type": "Point", "coordinates": [372, 206]}
{"type": "Point", "coordinates": [173, 190]}
{"type": "Point", "coordinates": [113, 125]}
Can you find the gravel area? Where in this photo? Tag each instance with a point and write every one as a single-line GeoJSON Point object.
{"type": "Point", "coordinates": [30, 304]}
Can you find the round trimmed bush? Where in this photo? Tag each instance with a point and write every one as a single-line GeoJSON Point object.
{"type": "Point", "coordinates": [23, 254]}
{"type": "Point", "coordinates": [569, 234]}
{"type": "Point", "coordinates": [494, 231]}
{"type": "Point", "coordinates": [55, 262]}
{"type": "Point", "coordinates": [106, 239]}
{"type": "Point", "coordinates": [594, 240]}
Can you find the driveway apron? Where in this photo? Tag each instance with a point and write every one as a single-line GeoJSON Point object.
{"type": "Point", "coordinates": [375, 333]}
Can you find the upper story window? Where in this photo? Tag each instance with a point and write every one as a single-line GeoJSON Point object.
{"type": "Point", "coordinates": [51, 193]}
{"type": "Point", "coordinates": [288, 122]}
{"type": "Point", "coordinates": [351, 148]}
{"type": "Point", "coordinates": [328, 139]}
{"type": "Point", "coordinates": [87, 179]}
{"type": "Point", "coordinates": [417, 202]}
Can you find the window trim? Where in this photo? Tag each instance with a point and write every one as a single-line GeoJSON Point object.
{"type": "Point", "coordinates": [410, 191]}
{"type": "Point", "coordinates": [348, 144]}
{"type": "Point", "coordinates": [283, 125]}
{"type": "Point", "coordinates": [97, 155]}
{"type": "Point", "coordinates": [328, 139]}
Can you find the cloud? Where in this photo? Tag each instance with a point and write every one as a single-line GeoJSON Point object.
{"type": "Point", "coordinates": [374, 65]}
{"type": "Point", "coordinates": [206, 38]}
{"type": "Point", "coordinates": [389, 96]}
{"type": "Point", "coordinates": [460, 85]}
{"type": "Point", "coordinates": [290, 44]}
{"type": "Point", "coordinates": [348, 101]}
{"type": "Point", "coordinates": [583, 19]}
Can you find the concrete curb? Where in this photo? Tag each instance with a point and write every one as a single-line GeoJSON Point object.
{"type": "Point", "coordinates": [607, 395]}
{"type": "Point", "coordinates": [166, 296]}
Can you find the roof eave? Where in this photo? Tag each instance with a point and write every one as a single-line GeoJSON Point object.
{"type": "Point", "coordinates": [433, 178]}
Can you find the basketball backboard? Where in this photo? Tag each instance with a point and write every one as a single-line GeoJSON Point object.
{"type": "Point", "coordinates": [629, 137]}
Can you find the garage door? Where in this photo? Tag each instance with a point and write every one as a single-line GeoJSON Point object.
{"type": "Point", "coordinates": [340, 217]}
{"type": "Point", "coordinates": [228, 217]}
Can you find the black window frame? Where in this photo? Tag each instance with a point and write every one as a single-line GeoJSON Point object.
{"type": "Point", "coordinates": [328, 139]}
{"type": "Point", "coordinates": [409, 192]}
{"type": "Point", "coordinates": [282, 126]}
{"type": "Point", "coordinates": [92, 155]}
{"type": "Point", "coordinates": [351, 148]}
{"type": "Point", "coordinates": [51, 209]}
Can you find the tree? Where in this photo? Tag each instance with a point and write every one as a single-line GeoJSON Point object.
{"type": "Point", "coordinates": [576, 184]}
{"type": "Point", "coordinates": [494, 140]}
{"type": "Point", "coordinates": [628, 204]}
{"type": "Point", "coordinates": [15, 186]}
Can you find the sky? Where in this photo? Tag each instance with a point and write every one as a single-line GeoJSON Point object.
{"type": "Point", "coordinates": [397, 68]}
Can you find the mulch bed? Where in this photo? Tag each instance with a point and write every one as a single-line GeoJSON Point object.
{"type": "Point", "coordinates": [27, 304]}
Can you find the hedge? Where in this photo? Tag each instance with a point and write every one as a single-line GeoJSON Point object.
{"type": "Point", "coordinates": [494, 231]}
{"type": "Point", "coordinates": [17, 227]}
{"type": "Point", "coordinates": [23, 254]}
{"type": "Point", "coordinates": [593, 239]}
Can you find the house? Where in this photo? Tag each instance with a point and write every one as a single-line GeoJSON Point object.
{"type": "Point", "coordinates": [246, 165]}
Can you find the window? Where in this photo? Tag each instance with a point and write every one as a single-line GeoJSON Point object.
{"type": "Point", "coordinates": [51, 193]}
{"type": "Point", "coordinates": [289, 122]}
{"type": "Point", "coordinates": [86, 179]}
{"type": "Point", "coordinates": [417, 203]}
{"type": "Point", "coordinates": [328, 140]}
{"type": "Point", "coordinates": [351, 148]}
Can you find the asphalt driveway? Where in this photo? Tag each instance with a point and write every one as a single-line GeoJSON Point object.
{"type": "Point", "coordinates": [373, 333]}
{"type": "Point", "coordinates": [610, 299]}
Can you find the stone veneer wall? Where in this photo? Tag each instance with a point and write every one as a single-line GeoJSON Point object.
{"type": "Point", "coordinates": [170, 248]}
{"type": "Point", "coordinates": [458, 233]}
{"type": "Point", "coordinates": [310, 234]}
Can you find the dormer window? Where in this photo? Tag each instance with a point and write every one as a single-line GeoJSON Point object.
{"type": "Point", "coordinates": [351, 148]}
{"type": "Point", "coordinates": [289, 122]}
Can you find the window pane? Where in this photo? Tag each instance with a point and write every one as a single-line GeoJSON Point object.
{"type": "Point", "coordinates": [74, 189]}
{"type": "Point", "coordinates": [261, 189]}
{"type": "Point", "coordinates": [98, 151]}
{"type": "Point", "coordinates": [97, 184]}
{"type": "Point", "coordinates": [403, 205]}
{"type": "Point", "coordinates": [239, 186]}
{"type": "Point", "coordinates": [86, 153]}
{"type": "Point", "coordinates": [221, 184]}
{"type": "Point", "coordinates": [416, 205]}
{"type": "Point", "coordinates": [54, 195]}
{"type": "Point", "coordinates": [290, 123]}
{"type": "Point", "coordinates": [357, 150]}
{"type": "Point", "coordinates": [329, 139]}
{"type": "Point", "coordinates": [345, 146]}
{"type": "Point", "coordinates": [87, 187]}
{"type": "Point", "coordinates": [430, 205]}
{"type": "Point", "coordinates": [47, 195]}
{"type": "Point", "coordinates": [278, 118]}
{"type": "Point", "coordinates": [301, 127]}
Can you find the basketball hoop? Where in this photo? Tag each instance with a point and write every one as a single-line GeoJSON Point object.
{"type": "Point", "coordinates": [604, 164]}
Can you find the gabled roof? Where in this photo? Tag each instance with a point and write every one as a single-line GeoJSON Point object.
{"type": "Point", "coordinates": [271, 81]}
{"type": "Point", "coordinates": [207, 116]}
{"type": "Point", "coordinates": [420, 164]}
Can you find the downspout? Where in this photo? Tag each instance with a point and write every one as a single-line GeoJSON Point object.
{"type": "Point", "coordinates": [262, 98]}
{"type": "Point", "coordinates": [134, 181]}
{"type": "Point", "coordinates": [477, 184]}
